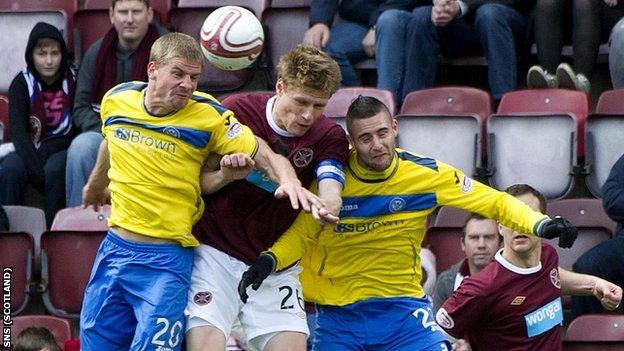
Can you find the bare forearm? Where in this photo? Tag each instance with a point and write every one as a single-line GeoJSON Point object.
{"type": "Point", "coordinates": [573, 283]}
{"type": "Point", "coordinates": [277, 167]}
{"type": "Point", "coordinates": [330, 190]}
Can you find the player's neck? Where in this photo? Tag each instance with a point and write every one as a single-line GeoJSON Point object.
{"type": "Point", "coordinates": [528, 259]}
{"type": "Point", "coordinates": [154, 104]}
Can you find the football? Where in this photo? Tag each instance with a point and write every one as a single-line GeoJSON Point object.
{"type": "Point", "coordinates": [231, 38]}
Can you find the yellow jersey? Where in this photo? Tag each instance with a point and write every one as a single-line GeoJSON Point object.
{"type": "Point", "coordinates": [155, 161]}
{"type": "Point", "coordinates": [374, 252]}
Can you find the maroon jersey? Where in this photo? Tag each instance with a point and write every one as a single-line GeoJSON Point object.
{"type": "Point", "coordinates": [505, 307]}
{"type": "Point", "coordinates": [244, 218]}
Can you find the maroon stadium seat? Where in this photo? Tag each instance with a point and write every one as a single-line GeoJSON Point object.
{"type": "Point", "coordinates": [89, 26]}
{"type": "Point", "coordinates": [338, 104]}
{"type": "Point", "coordinates": [255, 6]}
{"type": "Point", "coordinates": [81, 219]}
{"type": "Point", "coordinates": [189, 20]}
{"type": "Point", "coordinates": [443, 236]}
{"type": "Point", "coordinates": [66, 259]}
{"type": "Point", "coordinates": [537, 101]}
{"type": "Point", "coordinates": [593, 224]}
{"type": "Point", "coordinates": [595, 332]}
{"type": "Point", "coordinates": [610, 102]}
{"type": "Point", "coordinates": [4, 117]}
{"type": "Point", "coordinates": [448, 101]}
{"type": "Point", "coordinates": [290, 14]}
{"type": "Point", "coordinates": [16, 252]}
{"type": "Point", "coordinates": [59, 327]}
{"type": "Point", "coordinates": [30, 220]}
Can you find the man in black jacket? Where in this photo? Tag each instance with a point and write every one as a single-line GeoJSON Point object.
{"type": "Point", "coordinates": [607, 258]}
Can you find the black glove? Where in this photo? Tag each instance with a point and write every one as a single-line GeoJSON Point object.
{"type": "Point", "coordinates": [256, 274]}
{"type": "Point", "coordinates": [558, 227]}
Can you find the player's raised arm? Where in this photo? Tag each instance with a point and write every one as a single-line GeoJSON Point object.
{"type": "Point", "coordinates": [95, 192]}
{"type": "Point", "coordinates": [218, 171]}
{"type": "Point", "coordinates": [572, 283]}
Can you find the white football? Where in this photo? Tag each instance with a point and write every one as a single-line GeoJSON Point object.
{"type": "Point", "coordinates": [231, 38]}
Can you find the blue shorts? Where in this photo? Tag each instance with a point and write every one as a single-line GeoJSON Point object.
{"type": "Point", "coordinates": [136, 296]}
{"type": "Point", "coordinates": [392, 324]}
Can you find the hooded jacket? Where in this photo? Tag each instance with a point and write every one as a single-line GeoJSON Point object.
{"type": "Point", "coordinates": [40, 113]}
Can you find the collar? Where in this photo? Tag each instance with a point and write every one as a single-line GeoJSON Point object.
{"type": "Point", "coordinates": [510, 266]}
{"type": "Point", "coordinates": [369, 176]}
{"type": "Point", "coordinates": [269, 116]}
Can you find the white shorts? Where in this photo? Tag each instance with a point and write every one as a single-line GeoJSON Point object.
{"type": "Point", "coordinates": [213, 298]}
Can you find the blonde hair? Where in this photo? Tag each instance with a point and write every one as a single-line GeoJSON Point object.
{"type": "Point", "coordinates": [308, 67]}
{"type": "Point", "coordinates": [176, 45]}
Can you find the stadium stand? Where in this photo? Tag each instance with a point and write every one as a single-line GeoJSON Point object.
{"type": "Point", "coordinates": [89, 26]}
{"type": "Point", "coordinates": [443, 237]}
{"type": "Point", "coordinates": [604, 140]}
{"type": "Point", "coordinates": [60, 327]}
{"type": "Point", "coordinates": [459, 111]}
{"type": "Point", "coordinates": [338, 104]}
{"type": "Point", "coordinates": [30, 220]}
{"type": "Point", "coordinates": [16, 252]}
{"type": "Point", "coordinates": [595, 332]}
{"type": "Point", "coordinates": [16, 26]}
{"type": "Point", "coordinates": [4, 118]}
{"type": "Point", "coordinates": [282, 14]}
{"type": "Point", "coordinates": [67, 255]}
{"type": "Point", "coordinates": [534, 139]}
{"type": "Point", "coordinates": [593, 225]}
{"type": "Point", "coordinates": [161, 7]}
{"type": "Point", "coordinates": [188, 18]}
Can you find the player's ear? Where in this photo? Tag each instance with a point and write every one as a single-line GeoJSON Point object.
{"type": "Point", "coordinates": [151, 70]}
{"type": "Point", "coordinates": [279, 86]}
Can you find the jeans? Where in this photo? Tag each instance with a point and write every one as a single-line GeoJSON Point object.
{"type": "Point", "coordinates": [345, 47]}
{"type": "Point", "coordinates": [605, 260]}
{"type": "Point", "coordinates": [390, 51]}
{"type": "Point", "coordinates": [616, 55]}
{"type": "Point", "coordinates": [81, 157]}
{"type": "Point", "coordinates": [14, 179]}
{"type": "Point", "coordinates": [492, 30]}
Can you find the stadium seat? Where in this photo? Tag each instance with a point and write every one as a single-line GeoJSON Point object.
{"type": "Point", "coordinates": [536, 148]}
{"type": "Point", "coordinates": [67, 255]}
{"type": "Point", "coordinates": [16, 253]}
{"type": "Point", "coordinates": [282, 14]}
{"type": "Point", "coordinates": [338, 104]}
{"type": "Point", "coordinates": [593, 224]}
{"type": "Point", "coordinates": [447, 124]}
{"type": "Point", "coordinates": [89, 26]}
{"type": "Point", "coordinates": [595, 332]}
{"type": "Point", "coordinates": [610, 102]}
{"type": "Point", "coordinates": [4, 118]}
{"type": "Point", "coordinates": [604, 144]}
{"type": "Point", "coordinates": [81, 219]}
{"type": "Point", "coordinates": [16, 27]}
{"type": "Point", "coordinates": [557, 101]}
{"type": "Point", "coordinates": [443, 236]}
{"type": "Point", "coordinates": [60, 327]}
{"type": "Point", "coordinates": [29, 220]}
{"type": "Point", "coordinates": [189, 20]}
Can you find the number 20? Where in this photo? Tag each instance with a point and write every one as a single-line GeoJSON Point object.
{"type": "Point", "coordinates": [174, 333]}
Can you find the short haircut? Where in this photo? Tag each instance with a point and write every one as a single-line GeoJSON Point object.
{"type": "Point", "coordinates": [522, 189]}
{"type": "Point", "coordinates": [309, 67]}
{"type": "Point", "coordinates": [364, 107]}
{"type": "Point", "coordinates": [176, 45]}
{"type": "Point", "coordinates": [471, 217]}
{"type": "Point", "coordinates": [146, 2]}
{"type": "Point", "coordinates": [34, 339]}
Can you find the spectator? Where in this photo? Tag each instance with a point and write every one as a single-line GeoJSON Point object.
{"type": "Point", "coordinates": [515, 302]}
{"type": "Point", "coordinates": [40, 105]}
{"type": "Point", "coordinates": [350, 41]}
{"type": "Point", "coordinates": [616, 55]}
{"type": "Point", "coordinates": [408, 43]}
{"type": "Point", "coordinates": [479, 241]}
{"type": "Point", "coordinates": [591, 23]}
{"type": "Point", "coordinates": [120, 56]}
{"type": "Point", "coordinates": [36, 339]}
{"type": "Point", "coordinates": [606, 259]}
